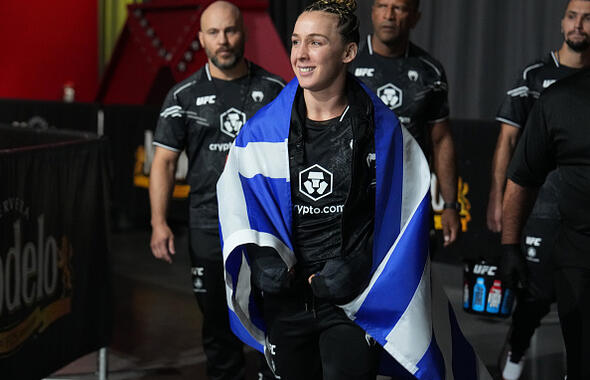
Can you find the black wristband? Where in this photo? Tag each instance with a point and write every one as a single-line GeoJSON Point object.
{"type": "Point", "coordinates": [511, 249]}
{"type": "Point", "coordinates": [452, 205]}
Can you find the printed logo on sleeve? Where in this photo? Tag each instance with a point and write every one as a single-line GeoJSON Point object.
{"type": "Point", "coordinates": [231, 121]}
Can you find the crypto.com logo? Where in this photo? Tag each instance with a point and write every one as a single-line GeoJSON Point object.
{"type": "Point", "coordinates": [315, 182]}
{"type": "Point", "coordinates": [231, 121]}
{"type": "Point", "coordinates": [390, 95]}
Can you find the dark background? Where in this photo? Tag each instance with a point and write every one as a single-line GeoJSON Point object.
{"type": "Point", "coordinates": [481, 43]}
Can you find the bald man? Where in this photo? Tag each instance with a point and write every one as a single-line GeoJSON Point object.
{"type": "Point", "coordinates": [203, 114]}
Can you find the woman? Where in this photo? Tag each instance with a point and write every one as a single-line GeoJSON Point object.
{"type": "Point", "coordinates": [298, 215]}
{"type": "Point", "coordinates": [331, 119]}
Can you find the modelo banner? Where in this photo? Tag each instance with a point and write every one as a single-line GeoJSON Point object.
{"type": "Point", "coordinates": [54, 283]}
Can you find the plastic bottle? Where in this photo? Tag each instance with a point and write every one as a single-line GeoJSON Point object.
{"type": "Point", "coordinates": [465, 296]}
{"type": "Point", "coordinates": [495, 298]}
{"type": "Point", "coordinates": [507, 302]}
{"type": "Point", "coordinates": [479, 295]}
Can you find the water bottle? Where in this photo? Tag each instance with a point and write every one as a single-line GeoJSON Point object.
{"type": "Point", "coordinates": [479, 295]}
{"type": "Point", "coordinates": [465, 296]}
{"type": "Point", "coordinates": [495, 298]}
{"type": "Point", "coordinates": [507, 302]}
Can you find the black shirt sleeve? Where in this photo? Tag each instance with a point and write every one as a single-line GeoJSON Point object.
{"type": "Point", "coordinates": [171, 130]}
{"type": "Point", "coordinates": [534, 157]}
{"type": "Point", "coordinates": [439, 106]}
{"type": "Point", "coordinates": [516, 105]}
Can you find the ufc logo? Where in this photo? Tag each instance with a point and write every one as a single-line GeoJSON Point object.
{"type": "Point", "coordinates": [198, 271]}
{"type": "Point", "coordinates": [490, 270]}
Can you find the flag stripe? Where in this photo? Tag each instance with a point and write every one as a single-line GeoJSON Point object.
{"type": "Point", "coordinates": [264, 158]}
{"type": "Point", "coordinates": [269, 220]}
{"type": "Point", "coordinates": [389, 170]}
{"type": "Point", "coordinates": [432, 365]}
{"type": "Point", "coordinates": [414, 327]}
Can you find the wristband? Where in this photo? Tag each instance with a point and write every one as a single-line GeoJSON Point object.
{"type": "Point", "coordinates": [452, 205]}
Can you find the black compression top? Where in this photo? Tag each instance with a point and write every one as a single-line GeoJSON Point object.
{"type": "Point", "coordinates": [414, 86]}
{"type": "Point", "coordinates": [531, 82]}
{"type": "Point", "coordinates": [203, 115]}
{"type": "Point", "coordinates": [557, 135]}
{"type": "Point", "coordinates": [319, 189]}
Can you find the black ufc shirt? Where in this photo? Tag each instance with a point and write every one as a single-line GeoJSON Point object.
{"type": "Point", "coordinates": [519, 100]}
{"type": "Point", "coordinates": [414, 86]}
{"type": "Point", "coordinates": [203, 115]}
{"type": "Point", "coordinates": [319, 186]}
{"type": "Point", "coordinates": [557, 134]}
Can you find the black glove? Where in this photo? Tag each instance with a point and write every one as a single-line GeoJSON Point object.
{"type": "Point", "coordinates": [269, 272]}
{"type": "Point", "coordinates": [513, 268]}
{"type": "Point", "coordinates": [342, 279]}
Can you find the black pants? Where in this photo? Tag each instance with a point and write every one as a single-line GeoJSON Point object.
{"type": "Point", "coordinates": [534, 303]}
{"type": "Point", "coordinates": [316, 341]}
{"type": "Point", "coordinates": [572, 286]}
{"type": "Point", "coordinates": [224, 351]}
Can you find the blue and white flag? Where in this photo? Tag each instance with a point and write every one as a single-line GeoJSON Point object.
{"type": "Point", "coordinates": [400, 308]}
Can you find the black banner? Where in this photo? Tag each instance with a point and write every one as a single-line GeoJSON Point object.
{"type": "Point", "coordinates": [48, 114]}
{"type": "Point", "coordinates": [54, 283]}
{"type": "Point", "coordinates": [126, 128]}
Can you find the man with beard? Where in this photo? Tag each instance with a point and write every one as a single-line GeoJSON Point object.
{"type": "Point", "coordinates": [556, 135]}
{"type": "Point", "coordinates": [203, 114]}
{"type": "Point", "coordinates": [412, 84]}
{"type": "Point", "coordinates": [543, 224]}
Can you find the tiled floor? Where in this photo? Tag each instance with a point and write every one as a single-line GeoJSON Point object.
{"type": "Point", "coordinates": [157, 330]}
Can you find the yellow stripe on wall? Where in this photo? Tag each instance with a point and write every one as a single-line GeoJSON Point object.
{"type": "Point", "coordinates": [114, 16]}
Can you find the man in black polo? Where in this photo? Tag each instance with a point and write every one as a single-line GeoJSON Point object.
{"type": "Point", "coordinates": [412, 84]}
{"type": "Point", "coordinates": [542, 226]}
{"type": "Point", "coordinates": [556, 135]}
{"type": "Point", "coordinates": [203, 114]}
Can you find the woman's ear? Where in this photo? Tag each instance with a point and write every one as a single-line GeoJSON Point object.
{"type": "Point", "coordinates": [350, 51]}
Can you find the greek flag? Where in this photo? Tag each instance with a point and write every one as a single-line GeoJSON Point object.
{"type": "Point", "coordinates": [400, 308]}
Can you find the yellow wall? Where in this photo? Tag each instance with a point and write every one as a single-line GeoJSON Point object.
{"type": "Point", "coordinates": [113, 16]}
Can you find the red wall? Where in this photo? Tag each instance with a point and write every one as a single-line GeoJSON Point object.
{"type": "Point", "coordinates": [43, 44]}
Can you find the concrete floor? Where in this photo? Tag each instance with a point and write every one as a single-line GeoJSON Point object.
{"type": "Point", "coordinates": [157, 322]}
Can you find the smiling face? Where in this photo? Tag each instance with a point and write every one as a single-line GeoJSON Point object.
{"type": "Point", "coordinates": [576, 25]}
{"type": "Point", "coordinates": [318, 53]}
{"type": "Point", "coordinates": [222, 35]}
{"type": "Point", "coordinates": [393, 20]}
